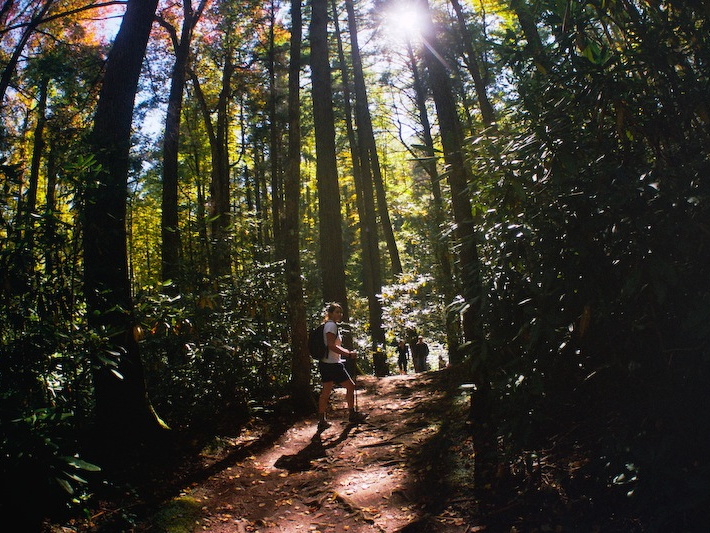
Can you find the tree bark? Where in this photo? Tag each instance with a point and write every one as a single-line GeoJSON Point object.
{"type": "Point", "coordinates": [260, 210]}
{"type": "Point", "coordinates": [367, 216]}
{"type": "Point", "coordinates": [441, 247]}
{"type": "Point", "coordinates": [534, 45]}
{"type": "Point", "coordinates": [452, 140]}
{"type": "Point", "coordinates": [122, 407]}
{"type": "Point", "coordinates": [219, 204]}
{"type": "Point", "coordinates": [274, 137]}
{"type": "Point", "coordinates": [484, 103]}
{"type": "Point", "coordinates": [366, 139]}
{"type": "Point", "coordinates": [51, 257]}
{"type": "Point", "coordinates": [197, 252]}
{"type": "Point", "coordinates": [170, 228]}
{"type": "Point", "coordinates": [38, 146]}
{"type": "Point", "coordinates": [330, 223]}
{"type": "Point", "coordinates": [301, 363]}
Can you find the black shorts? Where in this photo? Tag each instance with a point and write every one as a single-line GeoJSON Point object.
{"type": "Point", "coordinates": [334, 372]}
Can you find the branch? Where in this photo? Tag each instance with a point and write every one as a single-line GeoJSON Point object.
{"type": "Point", "coordinates": [63, 14]}
{"type": "Point", "coordinates": [172, 31]}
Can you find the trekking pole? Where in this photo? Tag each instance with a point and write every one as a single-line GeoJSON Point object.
{"type": "Point", "coordinates": [354, 386]}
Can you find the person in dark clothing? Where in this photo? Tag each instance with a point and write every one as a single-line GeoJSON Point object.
{"type": "Point", "coordinates": [420, 352]}
{"type": "Point", "coordinates": [402, 356]}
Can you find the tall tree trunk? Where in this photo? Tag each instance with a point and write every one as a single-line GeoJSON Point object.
{"type": "Point", "coordinates": [219, 206]}
{"type": "Point", "coordinates": [24, 258]}
{"type": "Point", "coordinates": [484, 103]}
{"type": "Point", "coordinates": [51, 257]}
{"type": "Point", "coordinates": [36, 162]}
{"type": "Point", "coordinates": [301, 360]}
{"type": "Point", "coordinates": [366, 139]}
{"type": "Point", "coordinates": [169, 225]}
{"type": "Point", "coordinates": [274, 137]}
{"type": "Point", "coordinates": [199, 252]}
{"type": "Point", "coordinates": [203, 213]}
{"type": "Point", "coordinates": [260, 198]}
{"type": "Point", "coordinates": [122, 406]}
{"type": "Point", "coordinates": [534, 44]}
{"type": "Point", "coordinates": [369, 241]}
{"type": "Point", "coordinates": [452, 143]}
{"type": "Point", "coordinates": [330, 223]}
{"type": "Point", "coordinates": [441, 247]}
{"type": "Point", "coordinates": [452, 139]}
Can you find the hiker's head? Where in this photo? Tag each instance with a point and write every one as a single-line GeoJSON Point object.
{"type": "Point", "coordinates": [334, 311]}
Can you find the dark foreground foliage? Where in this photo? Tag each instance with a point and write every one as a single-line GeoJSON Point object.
{"type": "Point", "coordinates": [564, 487]}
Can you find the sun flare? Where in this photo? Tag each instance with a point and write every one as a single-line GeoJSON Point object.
{"type": "Point", "coordinates": [403, 21]}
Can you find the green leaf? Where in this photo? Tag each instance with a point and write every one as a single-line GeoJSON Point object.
{"type": "Point", "coordinates": [81, 464]}
{"type": "Point", "coordinates": [65, 485]}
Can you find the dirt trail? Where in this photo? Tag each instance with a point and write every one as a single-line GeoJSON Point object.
{"type": "Point", "coordinates": [388, 474]}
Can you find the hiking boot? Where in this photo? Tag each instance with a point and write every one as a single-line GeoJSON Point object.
{"type": "Point", "coordinates": [323, 425]}
{"type": "Point", "coordinates": [357, 417]}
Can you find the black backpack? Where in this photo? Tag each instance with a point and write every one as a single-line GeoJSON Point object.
{"type": "Point", "coordinates": [316, 343]}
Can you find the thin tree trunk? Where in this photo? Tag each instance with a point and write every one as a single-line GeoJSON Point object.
{"type": "Point", "coordinates": [220, 212]}
{"type": "Point", "coordinates": [219, 209]}
{"type": "Point", "coordinates": [366, 138]}
{"type": "Point", "coordinates": [276, 179]}
{"type": "Point", "coordinates": [170, 228]}
{"type": "Point", "coordinates": [330, 223]}
{"type": "Point", "coordinates": [301, 361]}
{"type": "Point", "coordinates": [452, 143]}
{"type": "Point", "coordinates": [24, 258]}
{"type": "Point", "coordinates": [369, 241]}
{"type": "Point", "coordinates": [205, 214]}
{"type": "Point", "coordinates": [36, 162]}
{"type": "Point", "coordinates": [484, 103]}
{"type": "Point", "coordinates": [199, 258]}
{"type": "Point", "coordinates": [441, 248]}
{"type": "Point", "coordinates": [122, 406]}
{"type": "Point", "coordinates": [534, 43]}
{"type": "Point", "coordinates": [51, 258]}
{"type": "Point", "coordinates": [260, 197]}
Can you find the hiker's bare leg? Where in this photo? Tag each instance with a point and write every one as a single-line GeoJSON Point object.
{"type": "Point", "coordinates": [349, 394]}
{"type": "Point", "coordinates": [324, 398]}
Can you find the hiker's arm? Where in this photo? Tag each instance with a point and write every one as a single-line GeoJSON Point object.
{"type": "Point", "coordinates": [338, 349]}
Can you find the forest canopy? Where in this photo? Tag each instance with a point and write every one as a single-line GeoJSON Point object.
{"type": "Point", "coordinates": [186, 184]}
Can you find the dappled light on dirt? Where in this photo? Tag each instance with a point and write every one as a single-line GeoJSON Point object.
{"type": "Point", "coordinates": [369, 477]}
{"type": "Point", "coordinates": [409, 468]}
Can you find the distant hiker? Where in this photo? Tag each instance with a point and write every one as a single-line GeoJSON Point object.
{"type": "Point", "coordinates": [402, 356]}
{"type": "Point", "coordinates": [420, 352]}
{"type": "Point", "coordinates": [332, 368]}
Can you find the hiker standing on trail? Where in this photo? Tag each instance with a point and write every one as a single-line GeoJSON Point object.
{"type": "Point", "coordinates": [332, 368]}
{"type": "Point", "coordinates": [420, 352]}
{"type": "Point", "coordinates": [402, 356]}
